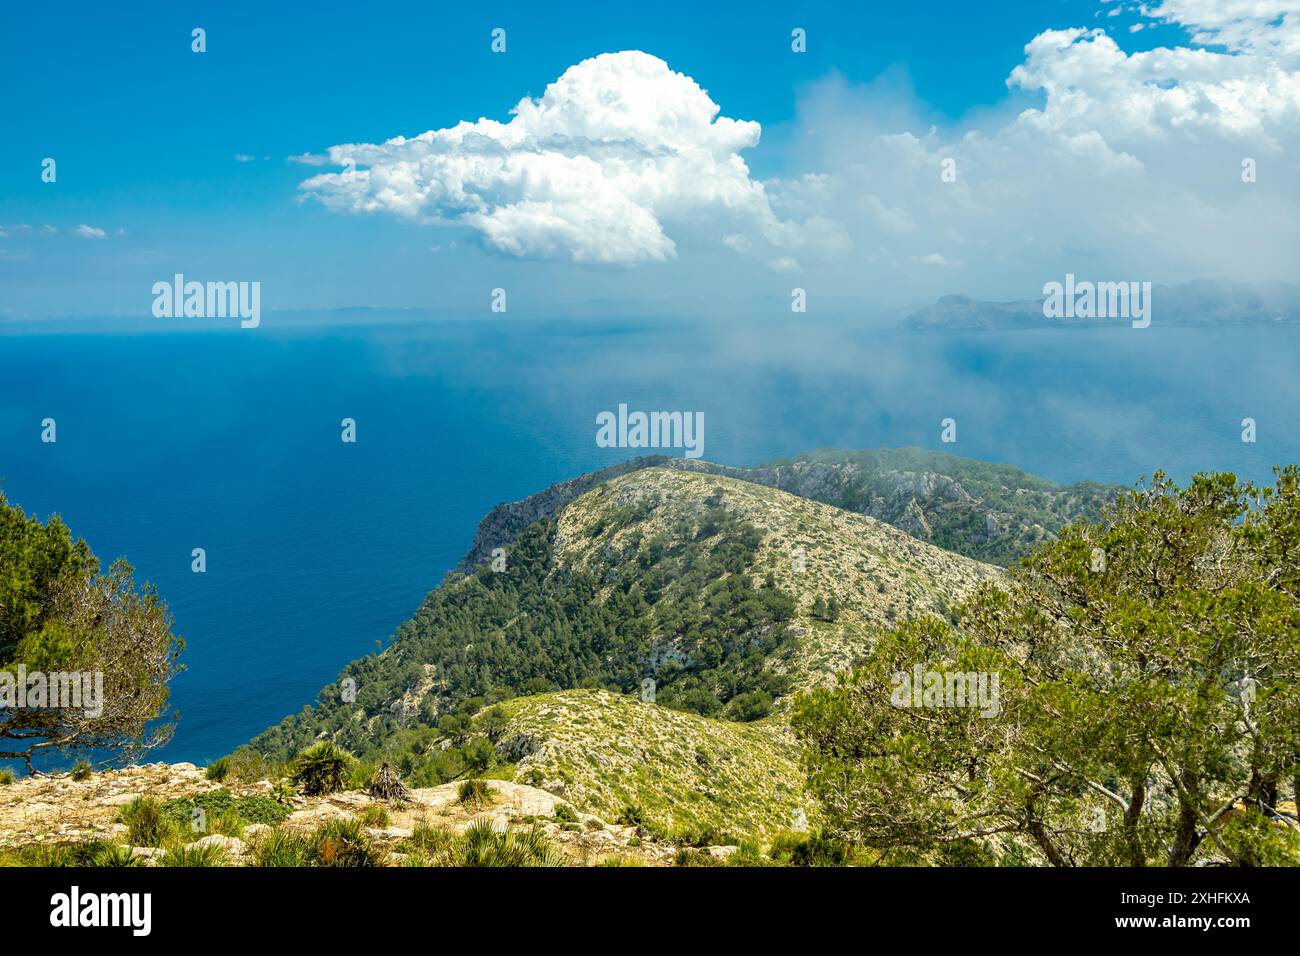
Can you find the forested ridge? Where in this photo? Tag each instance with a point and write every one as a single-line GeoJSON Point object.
{"type": "Point", "coordinates": [679, 606]}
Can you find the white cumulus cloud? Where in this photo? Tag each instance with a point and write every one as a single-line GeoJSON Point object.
{"type": "Point", "coordinates": [1239, 25]}
{"type": "Point", "coordinates": [617, 160]}
{"type": "Point", "coordinates": [1166, 94]}
{"type": "Point", "coordinates": [1102, 162]}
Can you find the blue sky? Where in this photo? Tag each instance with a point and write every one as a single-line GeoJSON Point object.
{"type": "Point", "coordinates": [145, 134]}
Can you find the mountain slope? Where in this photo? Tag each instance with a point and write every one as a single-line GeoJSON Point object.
{"type": "Point", "coordinates": [873, 572]}
{"type": "Point", "coordinates": [730, 595]}
{"type": "Point", "coordinates": [689, 776]}
{"type": "Point", "coordinates": [995, 513]}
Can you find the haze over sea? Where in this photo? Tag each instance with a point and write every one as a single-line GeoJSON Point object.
{"type": "Point", "coordinates": [317, 549]}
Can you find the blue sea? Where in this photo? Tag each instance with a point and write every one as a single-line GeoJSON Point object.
{"type": "Point", "coordinates": [317, 549]}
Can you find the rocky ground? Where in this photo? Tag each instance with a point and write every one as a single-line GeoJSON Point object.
{"type": "Point", "coordinates": [58, 810]}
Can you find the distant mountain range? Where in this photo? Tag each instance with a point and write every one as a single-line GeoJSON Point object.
{"type": "Point", "coordinates": [1201, 302]}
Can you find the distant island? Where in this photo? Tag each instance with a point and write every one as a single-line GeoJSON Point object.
{"type": "Point", "coordinates": [1203, 303]}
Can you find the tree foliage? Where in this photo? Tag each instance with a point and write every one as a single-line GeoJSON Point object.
{"type": "Point", "coordinates": [61, 615]}
{"type": "Point", "coordinates": [1149, 710]}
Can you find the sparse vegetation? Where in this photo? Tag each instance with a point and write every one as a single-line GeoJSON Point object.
{"type": "Point", "coordinates": [701, 773]}
{"type": "Point", "coordinates": [224, 812]}
{"type": "Point", "coordinates": [86, 853]}
{"type": "Point", "coordinates": [958, 501]}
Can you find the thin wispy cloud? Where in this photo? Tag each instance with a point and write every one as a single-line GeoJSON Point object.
{"type": "Point", "coordinates": [309, 159]}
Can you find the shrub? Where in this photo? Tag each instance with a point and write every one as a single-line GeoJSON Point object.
{"type": "Point", "coordinates": [478, 754]}
{"type": "Point", "coordinates": [146, 822]}
{"type": "Point", "coordinates": [344, 843]}
{"type": "Point", "coordinates": [753, 705]}
{"type": "Point", "coordinates": [257, 809]}
{"type": "Point", "coordinates": [218, 770]}
{"type": "Point", "coordinates": [534, 777]}
{"type": "Point", "coordinates": [224, 812]}
{"type": "Point", "coordinates": [375, 816]}
{"type": "Point", "coordinates": [360, 776]}
{"type": "Point", "coordinates": [565, 813]}
{"type": "Point", "coordinates": [113, 855]}
{"type": "Point", "coordinates": [282, 848]}
{"type": "Point", "coordinates": [81, 771]}
{"type": "Point", "coordinates": [430, 843]}
{"type": "Point", "coordinates": [475, 793]}
{"type": "Point", "coordinates": [492, 724]}
{"type": "Point", "coordinates": [245, 764]}
{"type": "Point", "coordinates": [808, 849]}
{"type": "Point", "coordinates": [283, 792]}
{"type": "Point", "coordinates": [321, 768]}
{"type": "Point", "coordinates": [631, 816]}
{"type": "Point", "coordinates": [386, 785]}
{"type": "Point", "coordinates": [482, 845]}
{"type": "Point", "coordinates": [6, 777]}
{"type": "Point", "coordinates": [194, 855]}
{"type": "Point", "coordinates": [48, 855]}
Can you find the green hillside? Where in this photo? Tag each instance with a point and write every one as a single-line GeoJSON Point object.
{"type": "Point", "coordinates": [728, 594]}
{"type": "Point", "coordinates": [688, 776]}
